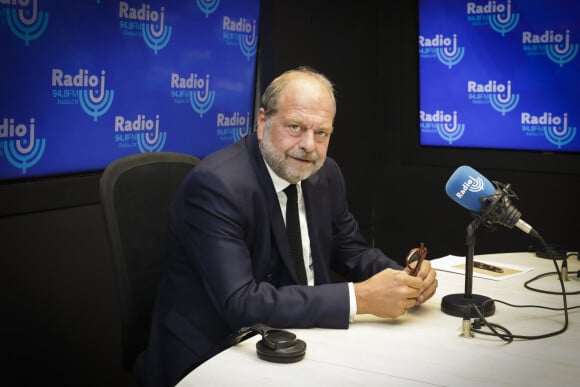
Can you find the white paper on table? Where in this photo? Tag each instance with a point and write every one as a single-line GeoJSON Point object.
{"type": "Point", "coordinates": [456, 264]}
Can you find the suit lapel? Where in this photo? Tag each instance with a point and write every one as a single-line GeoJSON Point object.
{"type": "Point", "coordinates": [319, 217]}
{"type": "Point", "coordinates": [276, 220]}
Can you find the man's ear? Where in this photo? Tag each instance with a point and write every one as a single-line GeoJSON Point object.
{"type": "Point", "coordinates": [261, 123]}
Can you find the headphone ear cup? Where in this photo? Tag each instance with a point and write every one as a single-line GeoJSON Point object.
{"type": "Point", "coordinates": [288, 354]}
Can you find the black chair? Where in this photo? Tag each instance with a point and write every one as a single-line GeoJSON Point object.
{"type": "Point", "coordinates": [136, 192]}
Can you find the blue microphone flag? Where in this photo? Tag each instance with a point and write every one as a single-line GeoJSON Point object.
{"type": "Point", "coordinates": [466, 186]}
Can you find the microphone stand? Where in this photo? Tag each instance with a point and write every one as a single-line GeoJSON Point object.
{"type": "Point", "coordinates": [461, 304]}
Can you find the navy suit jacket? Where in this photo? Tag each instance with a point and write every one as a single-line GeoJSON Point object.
{"type": "Point", "coordinates": [228, 263]}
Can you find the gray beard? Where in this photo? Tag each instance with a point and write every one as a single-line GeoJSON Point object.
{"type": "Point", "coordinates": [277, 161]}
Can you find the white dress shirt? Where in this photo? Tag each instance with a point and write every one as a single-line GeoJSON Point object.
{"type": "Point", "coordinates": [279, 185]}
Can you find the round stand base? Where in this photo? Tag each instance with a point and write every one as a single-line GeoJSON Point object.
{"type": "Point", "coordinates": [461, 306]}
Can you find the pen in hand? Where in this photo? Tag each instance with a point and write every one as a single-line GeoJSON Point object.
{"type": "Point", "coordinates": [485, 266]}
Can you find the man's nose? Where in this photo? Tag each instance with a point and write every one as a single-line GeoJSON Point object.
{"type": "Point", "coordinates": [307, 140]}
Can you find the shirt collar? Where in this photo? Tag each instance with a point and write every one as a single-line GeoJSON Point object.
{"type": "Point", "coordinates": [279, 183]}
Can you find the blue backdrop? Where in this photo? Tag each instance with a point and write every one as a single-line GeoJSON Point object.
{"type": "Point", "coordinates": [86, 82]}
{"type": "Point", "coordinates": [501, 74]}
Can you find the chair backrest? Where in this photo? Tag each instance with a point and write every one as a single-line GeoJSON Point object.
{"type": "Point", "coordinates": [136, 193]}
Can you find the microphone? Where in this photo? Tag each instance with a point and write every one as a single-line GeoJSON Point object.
{"type": "Point", "coordinates": [491, 203]}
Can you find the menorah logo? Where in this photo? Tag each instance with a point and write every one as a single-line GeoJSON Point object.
{"type": "Point", "coordinates": [27, 23]}
{"type": "Point", "coordinates": [560, 135]}
{"type": "Point", "coordinates": [562, 53]}
{"type": "Point", "coordinates": [450, 132]}
{"type": "Point", "coordinates": [22, 153]}
{"type": "Point", "coordinates": [154, 143]}
{"type": "Point", "coordinates": [450, 55]}
{"type": "Point", "coordinates": [241, 131]}
{"type": "Point", "coordinates": [96, 106]}
{"type": "Point", "coordinates": [504, 102]}
{"type": "Point", "coordinates": [249, 43]}
{"type": "Point", "coordinates": [506, 23]}
{"type": "Point", "coordinates": [202, 100]}
{"type": "Point", "coordinates": [208, 6]}
{"type": "Point", "coordinates": [156, 39]}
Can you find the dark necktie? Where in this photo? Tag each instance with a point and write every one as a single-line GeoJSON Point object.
{"type": "Point", "coordinates": [293, 231]}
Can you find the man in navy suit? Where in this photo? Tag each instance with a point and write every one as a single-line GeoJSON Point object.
{"type": "Point", "coordinates": [229, 262]}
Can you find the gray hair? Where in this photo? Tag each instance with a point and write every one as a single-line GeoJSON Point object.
{"type": "Point", "coordinates": [271, 98]}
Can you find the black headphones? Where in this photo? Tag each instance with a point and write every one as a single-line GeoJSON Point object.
{"type": "Point", "coordinates": [277, 345]}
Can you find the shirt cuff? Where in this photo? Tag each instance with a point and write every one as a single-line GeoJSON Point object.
{"type": "Point", "coordinates": [352, 301]}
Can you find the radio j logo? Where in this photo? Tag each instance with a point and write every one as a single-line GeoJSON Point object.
{"type": "Point", "coordinates": [444, 124]}
{"type": "Point", "coordinates": [498, 95]}
{"type": "Point", "coordinates": [142, 133]}
{"type": "Point", "coordinates": [241, 32]}
{"type": "Point", "coordinates": [82, 88]}
{"type": "Point", "coordinates": [556, 46]}
{"type": "Point", "coordinates": [18, 143]}
{"type": "Point", "coordinates": [472, 184]}
{"type": "Point", "coordinates": [193, 90]}
{"type": "Point", "coordinates": [441, 47]}
{"type": "Point", "coordinates": [553, 127]}
{"type": "Point", "coordinates": [233, 127]}
{"type": "Point", "coordinates": [145, 22]}
{"type": "Point", "coordinates": [25, 20]}
{"type": "Point", "coordinates": [499, 16]}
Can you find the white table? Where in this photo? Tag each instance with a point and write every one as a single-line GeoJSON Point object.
{"type": "Point", "coordinates": [426, 347]}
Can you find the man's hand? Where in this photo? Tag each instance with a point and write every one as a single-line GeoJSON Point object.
{"type": "Point", "coordinates": [388, 293]}
{"type": "Point", "coordinates": [429, 277]}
